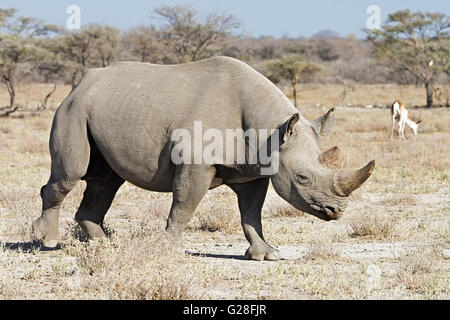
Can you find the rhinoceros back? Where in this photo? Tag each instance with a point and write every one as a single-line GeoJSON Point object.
{"type": "Point", "coordinates": [131, 110]}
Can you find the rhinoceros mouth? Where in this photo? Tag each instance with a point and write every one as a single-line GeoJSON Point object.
{"type": "Point", "coordinates": [326, 213]}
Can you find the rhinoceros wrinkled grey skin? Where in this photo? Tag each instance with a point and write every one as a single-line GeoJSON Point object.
{"type": "Point", "coordinates": [116, 126]}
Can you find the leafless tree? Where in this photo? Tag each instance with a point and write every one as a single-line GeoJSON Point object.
{"type": "Point", "coordinates": [190, 37]}
{"type": "Point", "coordinates": [144, 44]}
{"type": "Point", "coordinates": [19, 49]}
{"type": "Point", "coordinates": [93, 46]}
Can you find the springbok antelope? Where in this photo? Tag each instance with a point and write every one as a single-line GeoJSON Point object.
{"type": "Point", "coordinates": [399, 113]}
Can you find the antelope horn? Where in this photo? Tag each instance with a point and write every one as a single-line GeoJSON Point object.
{"type": "Point", "coordinates": [347, 181]}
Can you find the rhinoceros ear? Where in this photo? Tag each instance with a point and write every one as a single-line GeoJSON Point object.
{"type": "Point", "coordinates": [289, 126]}
{"type": "Point", "coordinates": [324, 124]}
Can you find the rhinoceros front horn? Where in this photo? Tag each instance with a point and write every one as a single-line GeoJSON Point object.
{"type": "Point", "coordinates": [347, 181]}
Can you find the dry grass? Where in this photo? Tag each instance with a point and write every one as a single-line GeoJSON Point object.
{"type": "Point", "coordinates": [217, 220]}
{"type": "Point", "coordinates": [31, 95]}
{"type": "Point", "coordinates": [371, 223]}
{"type": "Point", "coordinates": [275, 207]}
{"type": "Point", "coordinates": [131, 268]}
{"type": "Point", "coordinates": [420, 260]}
{"type": "Point", "coordinates": [404, 201]}
{"type": "Point", "coordinates": [321, 248]}
{"type": "Point", "coordinates": [421, 271]}
{"type": "Point", "coordinates": [312, 95]}
{"type": "Point", "coordinates": [218, 211]}
{"type": "Point", "coordinates": [33, 146]}
{"type": "Point", "coordinates": [309, 95]}
{"type": "Point", "coordinates": [397, 223]}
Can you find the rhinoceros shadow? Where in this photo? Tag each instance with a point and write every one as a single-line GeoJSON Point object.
{"type": "Point", "coordinates": [223, 256]}
{"type": "Point", "coordinates": [215, 255]}
{"type": "Point", "coordinates": [27, 246]}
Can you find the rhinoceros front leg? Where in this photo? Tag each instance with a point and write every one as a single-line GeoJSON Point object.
{"type": "Point", "coordinates": [251, 196]}
{"type": "Point", "coordinates": [191, 182]}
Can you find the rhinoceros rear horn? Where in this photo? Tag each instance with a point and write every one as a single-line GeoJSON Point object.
{"type": "Point", "coordinates": [331, 157]}
{"type": "Point", "coordinates": [347, 181]}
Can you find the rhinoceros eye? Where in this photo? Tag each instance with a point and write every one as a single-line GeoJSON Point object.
{"type": "Point", "coordinates": [302, 178]}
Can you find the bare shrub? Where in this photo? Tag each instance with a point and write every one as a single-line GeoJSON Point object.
{"type": "Point", "coordinates": [217, 212]}
{"type": "Point", "coordinates": [145, 265]}
{"type": "Point", "coordinates": [321, 248]}
{"type": "Point", "coordinates": [77, 232]}
{"type": "Point", "coordinates": [370, 223]}
{"type": "Point", "coordinates": [420, 273]}
{"type": "Point", "coordinates": [286, 210]}
{"type": "Point", "coordinates": [218, 219]}
{"type": "Point", "coordinates": [419, 260]}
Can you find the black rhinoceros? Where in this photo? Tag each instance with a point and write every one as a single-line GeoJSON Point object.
{"type": "Point", "coordinates": [118, 125]}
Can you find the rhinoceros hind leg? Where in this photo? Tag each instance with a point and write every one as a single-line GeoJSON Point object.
{"type": "Point", "coordinates": [97, 199]}
{"type": "Point", "coordinates": [70, 152]}
{"type": "Point", "coordinates": [102, 185]}
{"type": "Point", "coordinates": [45, 228]}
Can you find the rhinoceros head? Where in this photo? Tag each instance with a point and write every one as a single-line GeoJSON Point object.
{"type": "Point", "coordinates": [303, 180]}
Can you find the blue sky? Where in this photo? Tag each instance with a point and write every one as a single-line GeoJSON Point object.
{"type": "Point", "coordinates": [259, 17]}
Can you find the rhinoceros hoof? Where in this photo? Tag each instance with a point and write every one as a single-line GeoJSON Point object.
{"type": "Point", "coordinates": [259, 253]}
{"type": "Point", "coordinates": [41, 232]}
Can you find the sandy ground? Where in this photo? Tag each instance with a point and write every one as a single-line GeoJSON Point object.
{"type": "Point", "coordinates": [392, 242]}
{"type": "Point", "coordinates": [356, 268]}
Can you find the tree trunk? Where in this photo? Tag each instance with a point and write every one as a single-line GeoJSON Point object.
{"type": "Point", "coordinates": [44, 103]}
{"type": "Point", "coordinates": [73, 80]}
{"type": "Point", "coordinates": [10, 82]}
{"type": "Point", "coordinates": [12, 97]}
{"type": "Point", "coordinates": [10, 85]}
{"type": "Point", "coordinates": [295, 95]}
{"type": "Point", "coordinates": [429, 89]}
{"type": "Point", "coordinates": [294, 89]}
{"type": "Point", "coordinates": [12, 100]}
